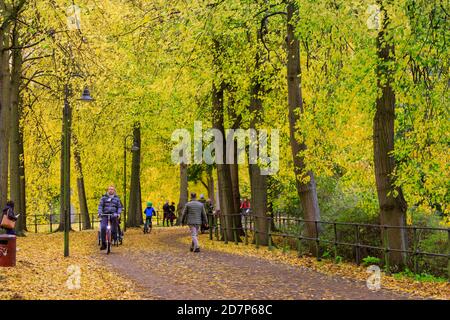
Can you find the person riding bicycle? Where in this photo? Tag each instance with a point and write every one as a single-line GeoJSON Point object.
{"type": "Point", "coordinates": [149, 212]}
{"type": "Point", "coordinates": [110, 204]}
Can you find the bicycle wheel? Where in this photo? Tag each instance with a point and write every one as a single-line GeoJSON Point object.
{"type": "Point", "coordinates": [108, 241]}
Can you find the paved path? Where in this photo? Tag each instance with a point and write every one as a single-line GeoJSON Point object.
{"type": "Point", "coordinates": [167, 270]}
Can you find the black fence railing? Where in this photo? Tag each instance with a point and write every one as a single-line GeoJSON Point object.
{"type": "Point", "coordinates": [344, 240]}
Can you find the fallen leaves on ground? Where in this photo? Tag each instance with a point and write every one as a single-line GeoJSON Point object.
{"type": "Point", "coordinates": [42, 270]}
{"type": "Point", "coordinates": [436, 290]}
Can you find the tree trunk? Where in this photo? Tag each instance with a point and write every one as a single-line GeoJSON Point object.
{"type": "Point", "coordinates": [234, 171]}
{"type": "Point", "coordinates": [135, 206]}
{"type": "Point", "coordinates": [210, 184]}
{"type": "Point", "coordinates": [62, 218]}
{"type": "Point", "coordinates": [22, 178]}
{"type": "Point", "coordinates": [305, 183]}
{"type": "Point", "coordinates": [258, 182]}
{"type": "Point", "coordinates": [5, 81]}
{"type": "Point", "coordinates": [84, 211]}
{"type": "Point", "coordinates": [391, 201]}
{"type": "Point", "coordinates": [183, 191]}
{"type": "Point", "coordinates": [15, 185]}
{"type": "Point", "coordinates": [141, 216]}
{"type": "Point", "coordinates": [223, 170]}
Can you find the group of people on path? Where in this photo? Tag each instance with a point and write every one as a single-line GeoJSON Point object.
{"type": "Point", "coordinates": [168, 213]}
{"type": "Point", "coordinates": [194, 214]}
{"type": "Point", "coordinates": [110, 205]}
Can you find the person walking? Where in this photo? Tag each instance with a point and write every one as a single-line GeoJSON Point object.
{"type": "Point", "coordinates": [209, 208]}
{"type": "Point", "coordinates": [166, 212]}
{"type": "Point", "coordinates": [203, 200]}
{"type": "Point", "coordinates": [194, 216]}
{"type": "Point", "coordinates": [110, 204]}
{"type": "Point", "coordinates": [172, 215]}
{"type": "Point", "coordinates": [8, 210]}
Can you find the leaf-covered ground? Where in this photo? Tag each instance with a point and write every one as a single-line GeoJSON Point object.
{"type": "Point", "coordinates": [42, 270]}
{"type": "Point", "coordinates": [160, 266]}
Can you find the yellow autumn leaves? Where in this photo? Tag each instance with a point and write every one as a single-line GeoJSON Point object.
{"type": "Point", "coordinates": [42, 272]}
{"type": "Point", "coordinates": [345, 270]}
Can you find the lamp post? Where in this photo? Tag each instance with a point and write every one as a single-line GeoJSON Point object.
{"type": "Point", "coordinates": [67, 130]}
{"type": "Point", "coordinates": [133, 148]}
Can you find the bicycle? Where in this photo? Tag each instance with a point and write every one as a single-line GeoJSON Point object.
{"type": "Point", "coordinates": [118, 239]}
{"type": "Point", "coordinates": [148, 226]}
{"type": "Point", "coordinates": [108, 233]}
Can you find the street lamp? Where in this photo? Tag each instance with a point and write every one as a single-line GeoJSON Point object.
{"type": "Point", "coordinates": [133, 149]}
{"type": "Point", "coordinates": [67, 129]}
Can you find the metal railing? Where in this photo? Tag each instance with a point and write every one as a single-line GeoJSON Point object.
{"type": "Point", "coordinates": [332, 236]}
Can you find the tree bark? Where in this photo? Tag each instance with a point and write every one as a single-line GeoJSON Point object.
{"type": "Point", "coordinates": [135, 206]}
{"type": "Point", "coordinates": [183, 191]}
{"type": "Point", "coordinates": [391, 201]}
{"type": "Point", "coordinates": [258, 182]}
{"type": "Point", "coordinates": [15, 185]}
{"type": "Point", "coordinates": [22, 177]}
{"type": "Point", "coordinates": [223, 170]}
{"type": "Point", "coordinates": [84, 212]}
{"type": "Point", "coordinates": [141, 216]}
{"type": "Point", "coordinates": [210, 184]}
{"type": "Point", "coordinates": [305, 183]}
{"type": "Point", "coordinates": [5, 109]}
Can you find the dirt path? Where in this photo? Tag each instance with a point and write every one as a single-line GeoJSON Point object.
{"type": "Point", "coordinates": [163, 268]}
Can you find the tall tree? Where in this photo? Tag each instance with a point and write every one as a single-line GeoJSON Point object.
{"type": "Point", "coordinates": [234, 167]}
{"type": "Point", "coordinates": [305, 183]}
{"type": "Point", "coordinates": [391, 201]}
{"type": "Point", "coordinates": [15, 161]}
{"type": "Point", "coordinates": [9, 11]}
{"type": "Point", "coordinates": [223, 170]}
{"type": "Point", "coordinates": [84, 212]}
{"type": "Point", "coordinates": [5, 109]}
{"type": "Point", "coordinates": [183, 190]}
{"type": "Point", "coordinates": [258, 182]}
{"type": "Point", "coordinates": [135, 211]}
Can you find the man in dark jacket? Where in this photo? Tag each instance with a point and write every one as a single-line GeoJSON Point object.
{"type": "Point", "coordinates": [109, 205]}
{"type": "Point", "coordinates": [166, 212]}
{"type": "Point", "coordinates": [194, 216]}
{"type": "Point", "coordinates": [172, 215]}
{"type": "Point", "coordinates": [9, 210]}
{"type": "Point", "coordinates": [203, 200]}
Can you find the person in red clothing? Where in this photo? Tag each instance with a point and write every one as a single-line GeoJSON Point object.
{"type": "Point", "coordinates": [245, 205]}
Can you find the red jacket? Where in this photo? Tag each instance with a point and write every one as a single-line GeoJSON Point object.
{"type": "Point", "coordinates": [245, 204]}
